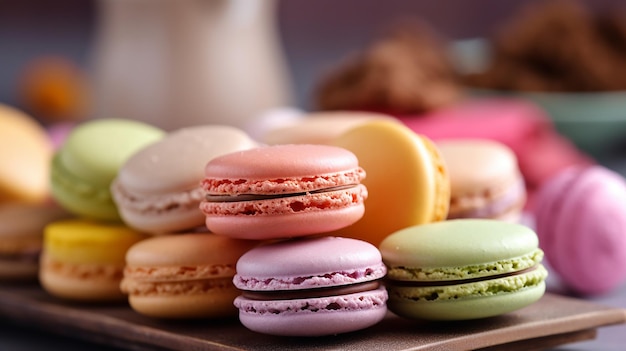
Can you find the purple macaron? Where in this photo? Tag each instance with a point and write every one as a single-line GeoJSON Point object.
{"type": "Point", "coordinates": [580, 219]}
{"type": "Point", "coordinates": [311, 287]}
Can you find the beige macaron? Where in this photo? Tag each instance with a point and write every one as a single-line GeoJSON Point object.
{"type": "Point", "coordinates": [181, 276]}
{"type": "Point", "coordinates": [485, 180]}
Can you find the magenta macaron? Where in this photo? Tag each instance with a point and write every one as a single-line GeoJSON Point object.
{"type": "Point", "coordinates": [580, 217]}
{"type": "Point", "coordinates": [283, 191]}
{"type": "Point", "coordinates": [311, 287]}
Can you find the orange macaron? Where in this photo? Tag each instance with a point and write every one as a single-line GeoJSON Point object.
{"type": "Point", "coordinates": [182, 276]}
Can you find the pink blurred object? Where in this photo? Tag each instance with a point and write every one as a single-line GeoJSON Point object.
{"type": "Point", "coordinates": [580, 218]}
{"type": "Point", "coordinates": [522, 126]}
{"type": "Point", "coordinates": [59, 132]}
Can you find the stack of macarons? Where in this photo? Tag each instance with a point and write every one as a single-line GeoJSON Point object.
{"type": "Point", "coordinates": [183, 271]}
{"type": "Point", "coordinates": [300, 282]}
{"type": "Point", "coordinates": [83, 257]}
{"type": "Point", "coordinates": [416, 190]}
{"type": "Point", "coordinates": [407, 178]}
{"type": "Point", "coordinates": [25, 153]}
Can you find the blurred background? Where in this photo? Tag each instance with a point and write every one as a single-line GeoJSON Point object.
{"type": "Point", "coordinates": [57, 60]}
{"type": "Point", "coordinates": [315, 34]}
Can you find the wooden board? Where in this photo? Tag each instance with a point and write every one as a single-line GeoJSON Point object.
{"type": "Point", "coordinates": [552, 321]}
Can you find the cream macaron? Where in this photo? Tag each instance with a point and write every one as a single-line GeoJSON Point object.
{"type": "Point", "coordinates": [485, 180]}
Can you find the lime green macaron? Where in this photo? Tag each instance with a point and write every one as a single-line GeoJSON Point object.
{"type": "Point", "coordinates": [85, 165]}
{"type": "Point", "coordinates": [462, 269]}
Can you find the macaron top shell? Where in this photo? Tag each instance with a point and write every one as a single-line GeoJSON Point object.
{"type": "Point", "coordinates": [81, 241]}
{"type": "Point", "coordinates": [309, 263]}
{"type": "Point", "coordinates": [476, 164]}
{"type": "Point", "coordinates": [460, 243]}
{"type": "Point", "coordinates": [187, 250]}
{"type": "Point", "coordinates": [176, 162]}
{"type": "Point", "coordinates": [282, 161]}
{"type": "Point", "coordinates": [96, 150]}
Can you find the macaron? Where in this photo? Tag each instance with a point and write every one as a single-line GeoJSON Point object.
{"type": "Point", "coordinates": [320, 127]}
{"type": "Point", "coordinates": [407, 179]}
{"type": "Point", "coordinates": [282, 191]}
{"type": "Point", "coordinates": [580, 217]}
{"type": "Point", "coordinates": [485, 180]}
{"type": "Point", "coordinates": [184, 275]}
{"type": "Point", "coordinates": [25, 153]}
{"type": "Point", "coordinates": [311, 286]}
{"type": "Point", "coordinates": [158, 189]}
{"type": "Point", "coordinates": [84, 260]}
{"type": "Point", "coordinates": [462, 269]}
{"type": "Point", "coordinates": [88, 161]}
{"type": "Point", "coordinates": [21, 237]}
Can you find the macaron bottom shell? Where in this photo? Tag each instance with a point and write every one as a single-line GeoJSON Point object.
{"type": "Point", "coordinates": [288, 225]}
{"type": "Point", "coordinates": [163, 221]}
{"type": "Point", "coordinates": [216, 303]}
{"type": "Point", "coordinates": [465, 308]}
{"type": "Point", "coordinates": [78, 287]}
{"type": "Point", "coordinates": [314, 316]}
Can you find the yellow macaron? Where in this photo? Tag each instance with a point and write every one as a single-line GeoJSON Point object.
{"type": "Point", "coordinates": [407, 179]}
{"type": "Point", "coordinates": [84, 260]}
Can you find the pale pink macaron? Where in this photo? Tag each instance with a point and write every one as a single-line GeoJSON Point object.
{"type": "Point", "coordinates": [580, 217]}
{"type": "Point", "coordinates": [283, 191]}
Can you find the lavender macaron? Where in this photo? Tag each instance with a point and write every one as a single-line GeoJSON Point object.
{"type": "Point", "coordinates": [311, 287]}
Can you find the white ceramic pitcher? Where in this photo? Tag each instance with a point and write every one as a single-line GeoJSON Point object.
{"type": "Point", "coordinates": [176, 63]}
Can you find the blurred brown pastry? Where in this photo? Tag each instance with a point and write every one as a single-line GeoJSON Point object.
{"type": "Point", "coordinates": [557, 45]}
{"type": "Point", "coordinates": [406, 71]}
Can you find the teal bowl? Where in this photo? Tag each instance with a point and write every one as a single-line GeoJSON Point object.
{"type": "Point", "coordinates": [594, 121]}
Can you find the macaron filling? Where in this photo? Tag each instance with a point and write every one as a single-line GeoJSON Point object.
{"type": "Point", "coordinates": [287, 185]}
{"type": "Point", "coordinates": [471, 288]}
{"type": "Point", "coordinates": [283, 203]}
{"type": "Point", "coordinates": [487, 270]}
{"type": "Point", "coordinates": [156, 204]}
{"type": "Point", "coordinates": [311, 293]}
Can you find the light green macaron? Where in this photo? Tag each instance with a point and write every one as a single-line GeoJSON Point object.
{"type": "Point", "coordinates": [86, 164]}
{"type": "Point", "coordinates": [462, 269]}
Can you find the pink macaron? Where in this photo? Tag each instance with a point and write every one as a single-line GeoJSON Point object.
{"type": "Point", "coordinates": [311, 287]}
{"type": "Point", "coordinates": [580, 216]}
{"type": "Point", "coordinates": [283, 191]}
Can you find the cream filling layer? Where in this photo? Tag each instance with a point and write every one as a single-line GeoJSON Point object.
{"type": "Point", "coordinates": [157, 204]}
